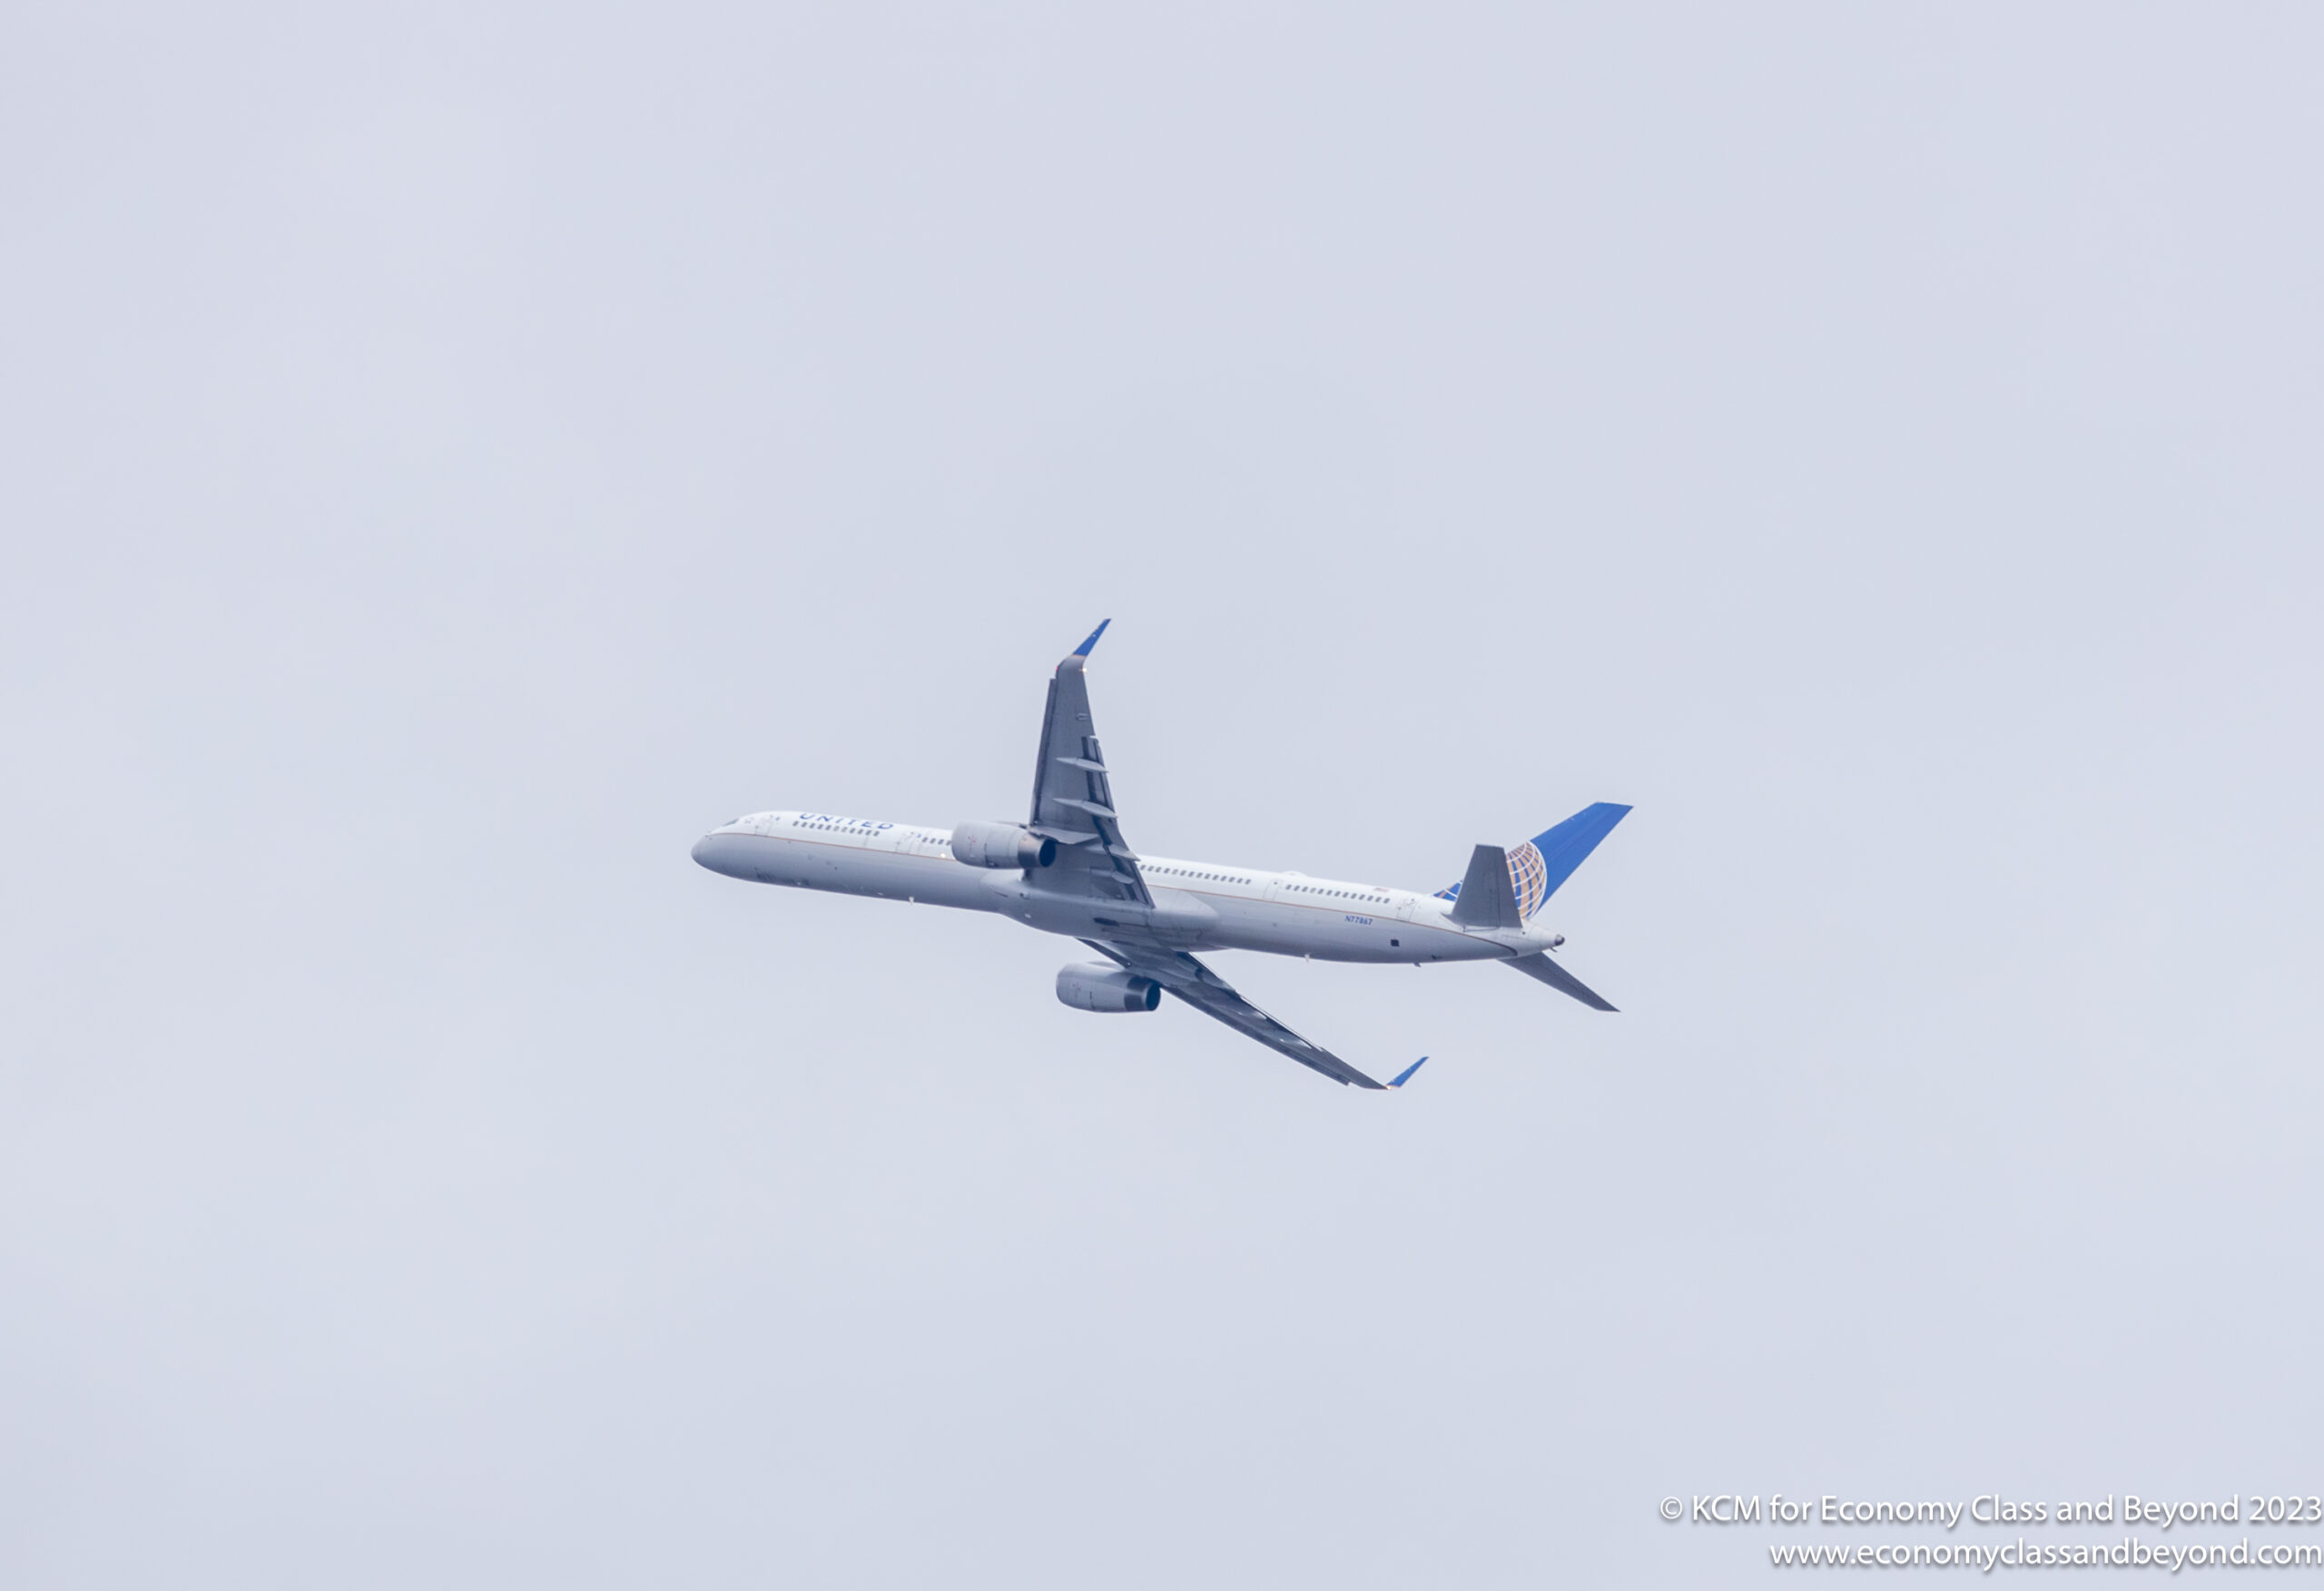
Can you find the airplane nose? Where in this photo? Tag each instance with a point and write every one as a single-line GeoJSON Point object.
{"type": "Point", "coordinates": [720, 854]}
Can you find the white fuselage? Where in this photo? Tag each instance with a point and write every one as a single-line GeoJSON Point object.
{"type": "Point", "coordinates": [1198, 906]}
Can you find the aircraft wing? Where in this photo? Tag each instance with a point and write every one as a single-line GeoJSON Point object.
{"type": "Point", "coordinates": [1213, 996]}
{"type": "Point", "coordinates": [1073, 804]}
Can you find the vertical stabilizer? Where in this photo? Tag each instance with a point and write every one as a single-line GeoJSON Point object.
{"type": "Point", "coordinates": [1533, 870]}
{"type": "Point", "coordinates": [1569, 845]}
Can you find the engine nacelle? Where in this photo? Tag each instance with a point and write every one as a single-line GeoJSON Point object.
{"type": "Point", "coordinates": [1096, 985]}
{"type": "Point", "coordinates": [1001, 845]}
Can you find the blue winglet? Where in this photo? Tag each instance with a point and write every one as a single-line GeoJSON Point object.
{"type": "Point", "coordinates": [1405, 1075]}
{"type": "Point", "coordinates": [1083, 650]}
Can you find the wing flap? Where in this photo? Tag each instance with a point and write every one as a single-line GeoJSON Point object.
{"type": "Point", "coordinates": [1073, 804]}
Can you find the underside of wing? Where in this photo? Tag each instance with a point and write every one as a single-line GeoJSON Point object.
{"type": "Point", "coordinates": [1073, 800]}
{"type": "Point", "coordinates": [1182, 975]}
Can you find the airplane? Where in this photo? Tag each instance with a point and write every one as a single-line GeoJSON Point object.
{"type": "Point", "coordinates": [1067, 870]}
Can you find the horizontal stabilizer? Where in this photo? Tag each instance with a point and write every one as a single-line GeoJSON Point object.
{"type": "Point", "coordinates": [1485, 899]}
{"type": "Point", "coordinates": [1539, 966]}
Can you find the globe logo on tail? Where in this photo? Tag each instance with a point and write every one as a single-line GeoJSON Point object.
{"type": "Point", "coordinates": [1528, 879]}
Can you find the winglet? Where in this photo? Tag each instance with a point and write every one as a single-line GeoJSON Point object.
{"type": "Point", "coordinates": [1083, 650]}
{"type": "Point", "coordinates": [1404, 1076]}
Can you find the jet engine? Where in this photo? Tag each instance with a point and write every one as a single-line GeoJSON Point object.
{"type": "Point", "coordinates": [1092, 985]}
{"type": "Point", "coordinates": [1001, 845]}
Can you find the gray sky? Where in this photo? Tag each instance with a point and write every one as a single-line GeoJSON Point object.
{"type": "Point", "coordinates": [456, 454]}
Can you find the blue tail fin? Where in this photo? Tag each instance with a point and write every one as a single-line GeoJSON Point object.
{"type": "Point", "coordinates": [1539, 866]}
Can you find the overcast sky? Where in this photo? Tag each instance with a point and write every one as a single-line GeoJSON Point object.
{"type": "Point", "coordinates": [456, 454]}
